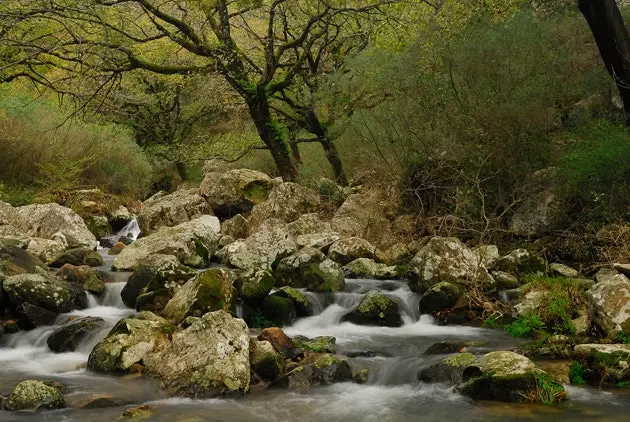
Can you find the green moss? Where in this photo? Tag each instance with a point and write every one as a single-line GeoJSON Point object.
{"type": "Point", "coordinates": [526, 326]}
{"type": "Point", "coordinates": [622, 337]}
{"type": "Point", "coordinates": [323, 344]}
{"type": "Point", "coordinates": [491, 322]}
{"type": "Point", "coordinates": [257, 191]}
{"type": "Point", "coordinates": [278, 309]}
{"type": "Point", "coordinates": [460, 360]}
{"type": "Point", "coordinates": [577, 373]}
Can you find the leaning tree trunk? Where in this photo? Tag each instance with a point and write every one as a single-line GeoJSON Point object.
{"type": "Point", "coordinates": [273, 138]}
{"type": "Point", "coordinates": [182, 170]}
{"type": "Point", "coordinates": [611, 36]}
{"type": "Point", "coordinates": [332, 154]}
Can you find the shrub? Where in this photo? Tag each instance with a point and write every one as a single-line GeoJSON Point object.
{"type": "Point", "coordinates": [577, 373]}
{"type": "Point", "coordinates": [526, 326]}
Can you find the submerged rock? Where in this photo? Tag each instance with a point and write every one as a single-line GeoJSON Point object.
{"type": "Point", "coordinates": [322, 344]}
{"type": "Point", "coordinates": [138, 413]}
{"type": "Point", "coordinates": [309, 268]}
{"type": "Point", "coordinates": [35, 395]}
{"type": "Point", "coordinates": [68, 337]}
{"type": "Point", "coordinates": [376, 309]}
{"type": "Point", "coordinates": [450, 370]}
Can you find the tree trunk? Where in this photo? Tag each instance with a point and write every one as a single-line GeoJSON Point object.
{"type": "Point", "coordinates": [332, 155]}
{"type": "Point", "coordinates": [273, 137]}
{"type": "Point", "coordinates": [612, 39]}
{"type": "Point", "coordinates": [182, 170]}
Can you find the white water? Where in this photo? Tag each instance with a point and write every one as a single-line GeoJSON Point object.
{"type": "Point", "coordinates": [131, 230]}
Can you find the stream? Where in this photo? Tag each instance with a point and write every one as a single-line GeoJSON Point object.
{"type": "Point", "coordinates": [392, 392]}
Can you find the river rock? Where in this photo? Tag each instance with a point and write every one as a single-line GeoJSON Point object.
{"type": "Point", "coordinates": [286, 202]}
{"type": "Point", "coordinates": [449, 260]}
{"type": "Point", "coordinates": [131, 341]}
{"type": "Point", "coordinates": [278, 310]}
{"type": "Point", "coordinates": [138, 413]}
{"type": "Point", "coordinates": [309, 268]}
{"type": "Point", "coordinates": [321, 241]}
{"type": "Point", "coordinates": [209, 291]}
{"type": "Point", "coordinates": [116, 248]}
{"type": "Point", "coordinates": [159, 285]}
{"type": "Point", "coordinates": [235, 191]}
{"type": "Point", "coordinates": [322, 344]}
{"type": "Point", "coordinates": [237, 227]}
{"type": "Point", "coordinates": [255, 285]}
{"type": "Point", "coordinates": [78, 257]}
{"type": "Point", "coordinates": [604, 363]}
{"type": "Point", "coordinates": [173, 209]}
{"type": "Point", "coordinates": [609, 304]}
{"type": "Point", "coordinates": [280, 342]}
{"type": "Point", "coordinates": [376, 309]}
{"type": "Point", "coordinates": [193, 243]}
{"type": "Point", "coordinates": [35, 395]}
{"type": "Point", "coordinates": [521, 262]}
{"type": "Point", "coordinates": [450, 370]}
{"type": "Point", "coordinates": [209, 358]}
{"type": "Point", "coordinates": [347, 250]}
{"type": "Point", "coordinates": [143, 275]}
{"type": "Point", "coordinates": [98, 226]}
{"type": "Point", "coordinates": [89, 278]}
{"type": "Point", "coordinates": [317, 369]}
{"type": "Point", "coordinates": [361, 268]}
{"type": "Point", "coordinates": [45, 220]}
{"type": "Point", "coordinates": [45, 249]}
{"type": "Point", "coordinates": [509, 377]}
{"type": "Point", "coordinates": [119, 218]}
{"type": "Point", "coordinates": [14, 260]}
{"type": "Point", "coordinates": [300, 301]}
{"type": "Point", "coordinates": [357, 214]}
{"type": "Point", "coordinates": [308, 224]}
{"type": "Point", "coordinates": [265, 361]}
{"type": "Point", "coordinates": [562, 270]}
{"type": "Point", "coordinates": [68, 337]}
{"type": "Point", "coordinates": [439, 297]}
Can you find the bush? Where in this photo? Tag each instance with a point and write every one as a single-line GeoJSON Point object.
{"type": "Point", "coordinates": [526, 326]}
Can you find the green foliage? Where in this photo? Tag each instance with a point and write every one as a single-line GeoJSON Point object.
{"type": "Point", "coordinates": [491, 322]}
{"type": "Point", "coordinates": [548, 391]}
{"type": "Point", "coordinates": [577, 373]}
{"type": "Point", "coordinates": [526, 326]}
{"type": "Point", "coordinates": [260, 321]}
{"type": "Point", "coordinates": [622, 337]}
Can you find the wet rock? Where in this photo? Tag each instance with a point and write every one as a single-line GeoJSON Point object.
{"type": "Point", "coordinates": [562, 270]}
{"type": "Point", "coordinates": [14, 260]}
{"type": "Point", "coordinates": [48, 219]}
{"type": "Point", "coordinates": [445, 347]}
{"type": "Point", "coordinates": [34, 395]}
{"type": "Point", "coordinates": [609, 304]}
{"type": "Point", "coordinates": [317, 369]}
{"type": "Point", "coordinates": [321, 241]}
{"type": "Point", "coordinates": [308, 224]}
{"type": "Point", "coordinates": [84, 276]}
{"type": "Point", "coordinates": [209, 358]}
{"type": "Point", "coordinates": [265, 361]}
{"type": "Point", "coordinates": [45, 249]}
{"type": "Point", "coordinates": [309, 268]}
{"type": "Point", "coordinates": [604, 363]}
{"type": "Point", "coordinates": [116, 248]}
{"type": "Point", "coordinates": [376, 309]}
{"type": "Point", "coordinates": [130, 342]}
{"type": "Point", "coordinates": [505, 281]}
{"type": "Point", "coordinates": [209, 291]}
{"type": "Point", "coordinates": [300, 300]}
{"type": "Point", "coordinates": [450, 370]}
{"type": "Point", "coordinates": [361, 268]}
{"type": "Point", "coordinates": [278, 310]}
{"type": "Point", "coordinates": [161, 285]}
{"type": "Point", "coordinates": [280, 342]}
{"type": "Point", "coordinates": [68, 337]}
{"type": "Point", "coordinates": [101, 402]}
{"type": "Point", "coordinates": [235, 191]}
{"type": "Point", "coordinates": [119, 218]}
{"type": "Point", "coordinates": [441, 296]}
{"type": "Point", "coordinates": [31, 316]}
{"type": "Point", "coordinates": [173, 209]}
{"type": "Point", "coordinates": [286, 202]}
{"type": "Point", "coordinates": [193, 243]}
{"type": "Point", "coordinates": [347, 250]}
{"type": "Point", "coordinates": [138, 413]}
{"type": "Point", "coordinates": [98, 226]}
{"type": "Point", "coordinates": [322, 344]}
{"type": "Point", "coordinates": [77, 257]}
{"type": "Point", "coordinates": [255, 285]}
{"type": "Point", "coordinates": [509, 377]}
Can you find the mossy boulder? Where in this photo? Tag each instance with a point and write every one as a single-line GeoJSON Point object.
{"type": "Point", "coordinates": [68, 337]}
{"type": "Point", "coordinates": [347, 250]}
{"type": "Point", "coordinates": [287, 202]}
{"type": "Point", "coordinates": [208, 291]}
{"type": "Point", "coordinates": [255, 285]}
{"type": "Point", "coordinates": [264, 360]}
{"type": "Point", "coordinates": [173, 209]}
{"type": "Point", "coordinates": [85, 276]}
{"type": "Point", "coordinates": [376, 308]}
{"type": "Point", "coordinates": [209, 358]}
{"type": "Point", "coordinates": [235, 191]}
{"type": "Point", "coordinates": [361, 268]}
{"type": "Point", "coordinates": [309, 268]}
{"type": "Point", "coordinates": [315, 370]}
{"type": "Point", "coordinates": [322, 344]}
{"type": "Point", "coordinates": [279, 310]}
{"type": "Point", "coordinates": [35, 395]}
{"type": "Point", "coordinates": [139, 413]}
{"type": "Point", "coordinates": [280, 342]}
{"type": "Point", "coordinates": [521, 262]}
{"type": "Point", "coordinates": [131, 341]}
{"type": "Point", "coordinates": [15, 260]}
{"type": "Point", "coordinates": [98, 226]}
{"type": "Point", "coordinates": [509, 377]}
{"type": "Point", "coordinates": [609, 304]}
{"type": "Point", "coordinates": [300, 300]}
{"type": "Point", "coordinates": [164, 282]}
{"type": "Point", "coordinates": [78, 257]}
{"type": "Point", "coordinates": [450, 370]}
{"type": "Point", "coordinates": [604, 364]}
{"type": "Point", "coordinates": [144, 274]}
{"type": "Point", "coordinates": [439, 297]}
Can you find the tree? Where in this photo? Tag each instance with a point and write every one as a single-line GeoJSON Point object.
{"type": "Point", "coordinates": [258, 47]}
{"type": "Point", "coordinates": [611, 36]}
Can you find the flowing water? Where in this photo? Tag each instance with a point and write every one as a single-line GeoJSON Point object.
{"type": "Point", "coordinates": [393, 355]}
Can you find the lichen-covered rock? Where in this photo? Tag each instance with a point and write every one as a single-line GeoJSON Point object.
{"type": "Point", "coordinates": [237, 227]}
{"type": "Point", "coordinates": [10, 220]}
{"type": "Point", "coordinates": [130, 342]}
{"type": "Point", "coordinates": [209, 291]}
{"type": "Point", "coordinates": [317, 369]}
{"type": "Point", "coordinates": [78, 257]}
{"type": "Point", "coordinates": [255, 285]}
{"type": "Point", "coordinates": [347, 250]}
{"type": "Point", "coordinates": [376, 309]}
{"type": "Point", "coordinates": [68, 337]}
{"type": "Point", "coordinates": [14, 260]}
{"type": "Point", "coordinates": [138, 413]}
{"type": "Point", "coordinates": [439, 297]}
{"type": "Point", "coordinates": [85, 276]}
{"type": "Point", "coordinates": [300, 300]}
{"type": "Point", "coordinates": [521, 262]}
{"type": "Point", "coordinates": [357, 214]}
{"type": "Point", "coordinates": [174, 209]}
{"type": "Point", "coordinates": [321, 241]}
{"type": "Point", "coordinates": [361, 268]}
{"type": "Point", "coordinates": [322, 344]}
{"type": "Point", "coordinates": [505, 281]}
{"type": "Point", "coordinates": [510, 377]}
{"type": "Point", "coordinates": [280, 342]}
{"type": "Point", "coordinates": [209, 358]}
{"type": "Point", "coordinates": [98, 225]}
{"type": "Point", "coordinates": [531, 302]}
{"type": "Point", "coordinates": [264, 360]}
{"type": "Point", "coordinates": [279, 310]}
{"type": "Point", "coordinates": [158, 276]}
{"type": "Point", "coordinates": [562, 270]}
{"type": "Point", "coordinates": [487, 255]}
{"type": "Point", "coordinates": [308, 224]}
{"type": "Point", "coordinates": [45, 249]}
{"type": "Point", "coordinates": [119, 218]}
{"type": "Point", "coordinates": [399, 253]}
{"type": "Point", "coordinates": [448, 259]}
{"type": "Point", "coordinates": [309, 268]}
{"type": "Point", "coordinates": [193, 243]}
{"type": "Point", "coordinates": [235, 191]}
{"type": "Point", "coordinates": [35, 395]}
{"type": "Point", "coordinates": [449, 370]}
{"type": "Point", "coordinates": [609, 304]}
{"type": "Point", "coordinates": [48, 219]}
{"type": "Point", "coordinates": [286, 202]}
{"type": "Point", "coordinates": [604, 363]}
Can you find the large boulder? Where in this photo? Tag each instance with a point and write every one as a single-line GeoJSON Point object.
{"type": "Point", "coordinates": [10, 220]}
{"type": "Point", "coordinates": [171, 210]}
{"type": "Point", "coordinates": [69, 336]}
{"type": "Point", "coordinates": [521, 262]}
{"type": "Point", "coordinates": [604, 364]}
{"type": "Point", "coordinates": [315, 370]}
{"type": "Point", "coordinates": [14, 260]}
{"type": "Point", "coordinates": [278, 310]}
{"type": "Point", "coordinates": [449, 370]}
{"type": "Point", "coordinates": [264, 360]}
{"type": "Point", "coordinates": [321, 344]}
{"type": "Point", "coordinates": [509, 377]}
{"type": "Point", "coordinates": [300, 301]}
{"type": "Point", "coordinates": [309, 268]}
{"type": "Point", "coordinates": [439, 297]}
{"type": "Point", "coordinates": [130, 342]}
{"type": "Point", "coordinates": [286, 202]}
{"type": "Point", "coordinates": [90, 279]}
{"type": "Point", "coordinates": [78, 257]}
{"type": "Point", "coordinates": [255, 285]}
{"type": "Point", "coordinates": [359, 215]}
{"type": "Point", "coordinates": [45, 249]}
{"type": "Point", "coordinates": [308, 224]}
{"type": "Point", "coordinates": [347, 250]}
{"type": "Point", "coordinates": [98, 226]}
{"type": "Point", "coordinates": [376, 309]}
{"type": "Point", "coordinates": [193, 243]}
{"type": "Point", "coordinates": [159, 285]}
{"type": "Point", "coordinates": [321, 241]}
{"type": "Point", "coordinates": [609, 304]}
{"type": "Point", "coordinates": [209, 291]}
{"type": "Point", "coordinates": [235, 191]}
{"type": "Point", "coordinates": [280, 342]}
{"type": "Point", "coordinates": [45, 220]}
{"type": "Point", "coordinates": [449, 260]}
{"type": "Point", "coordinates": [209, 358]}
{"type": "Point", "coordinates": [35, 395]}
{"type": "Point", "coordinates": [143, 275]}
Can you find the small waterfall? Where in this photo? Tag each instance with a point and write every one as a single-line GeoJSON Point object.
{"type": "Point", "coordinates": [131, 230]}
